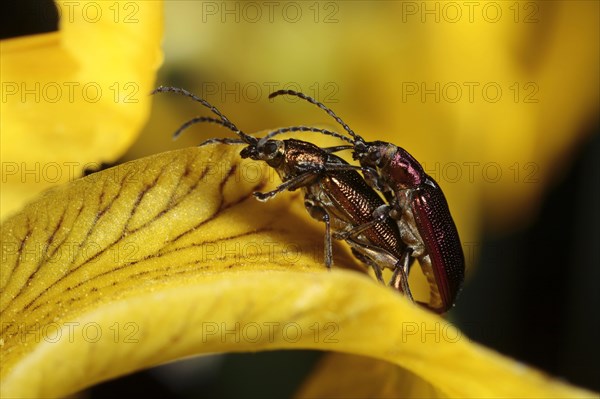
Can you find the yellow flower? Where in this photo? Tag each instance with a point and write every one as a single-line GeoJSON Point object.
{"type": "Point", "coordinates": [75, 98]}
{"type": "Point", "coordinates": [158, 258]}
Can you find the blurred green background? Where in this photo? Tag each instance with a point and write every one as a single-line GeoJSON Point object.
{"type": "Point", "coordinates": [498, 100]}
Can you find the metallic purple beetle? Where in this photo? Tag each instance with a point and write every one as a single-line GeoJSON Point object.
{"type": "Point", "coordinates": [419, 206]}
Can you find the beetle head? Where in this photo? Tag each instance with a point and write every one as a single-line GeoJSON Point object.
{"type": "Point", "coordinates": [270, 151]}
{"type": "Point", "coordinates": [371, 154]}
{"type": "Point", "coordinates": [396, 166]}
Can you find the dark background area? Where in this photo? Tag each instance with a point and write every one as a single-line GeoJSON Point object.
{"type": "Point", "coordinates": [533, 296]}
{"type": "Point", "coordinates": [21, 18]}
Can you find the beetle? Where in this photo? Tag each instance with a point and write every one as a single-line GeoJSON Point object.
{"type": "Point", "coordinates": [418, 205]}
{"type": "Point", "coordinates": [334, 192]}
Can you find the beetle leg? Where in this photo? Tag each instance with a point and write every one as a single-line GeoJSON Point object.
{"type": "Point", "coordinates": [400, 277]}
{"type": "Point", "coordinates": [369, 262]}
{"type": "Point", "coordinates": [319, 213]}
{"type": "Point", "coordinates": [373, 179]}
{"type": "Point", "coordinates": [328, 250]}
{"type": "Point", "coordinates": [292, 184]}
{"type": "Point", "coordinates": [338, 148]}
{"type": "Point", "coordinates": [378, 216]}
{"type": "Point", "coordinates": [373, 256]}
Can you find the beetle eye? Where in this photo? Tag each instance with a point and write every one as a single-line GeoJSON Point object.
{"type": "Point", "coordinates": [374, 157]}
{"type": "Point", "coordinates": [270, 147]}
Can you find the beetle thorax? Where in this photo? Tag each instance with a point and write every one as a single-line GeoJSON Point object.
{"type": "Point", "coordinates": [402, 170]}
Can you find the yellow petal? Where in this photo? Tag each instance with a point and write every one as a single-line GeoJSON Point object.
{"type": "Point", "coordinates": [77, 97]}
{"type": "Point", "coordinates": [102, 249]}
{"type": "Point", "coordinates": [340, 375]}
{"type": "Point", "coordinates": [432, 372]}
{"type": "Point", "coordinates": [170, 256]}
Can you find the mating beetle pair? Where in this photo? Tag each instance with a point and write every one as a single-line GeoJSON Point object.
{"type": "Point", "coordinates": [416, 222]}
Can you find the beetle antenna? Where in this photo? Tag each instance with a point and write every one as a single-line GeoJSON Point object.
{"type": "Point", "coordinates": [320, 105]}
{"type": "Point", "coordinates": [222, 140]}
{"type": "Point", "coordinates": [201, 119]}
{"type": "Point", "coordinates": [307, 129]}
{"type": "Point", "coordinates": [226, 122]}
{"type": "Point", "coordinates": [263, 140]}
